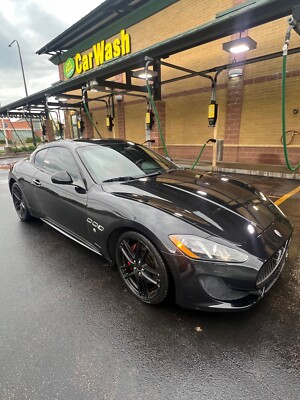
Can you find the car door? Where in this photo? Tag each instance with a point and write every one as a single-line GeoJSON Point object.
{"type": "Point", "coordinates": [61, 204]}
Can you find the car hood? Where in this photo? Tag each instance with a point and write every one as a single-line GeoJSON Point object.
{"type": "Point", "coordinates": [216, 204]}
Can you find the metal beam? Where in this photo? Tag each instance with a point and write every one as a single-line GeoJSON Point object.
{"type": "Point", "coordinates": [122, 86]}
{"type": "Point", "coordinates": [250, 16]}
{"type": "Point", "coordinates": [89, 33]}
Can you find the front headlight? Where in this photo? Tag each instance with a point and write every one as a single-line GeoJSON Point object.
{"type": "Point", "coordinates": [204, 249]}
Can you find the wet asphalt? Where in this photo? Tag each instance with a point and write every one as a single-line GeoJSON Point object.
{"type": "Point", "coordinates": [69, 330]}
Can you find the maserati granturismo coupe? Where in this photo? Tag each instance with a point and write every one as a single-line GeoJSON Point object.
{"type": "Point", "coordinates": [214, 242]}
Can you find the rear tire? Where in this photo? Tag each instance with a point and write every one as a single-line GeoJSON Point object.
{"type": "Point", "coordinates": [20, 203]}
{"type": "Point", "coordinates": [142, 268]}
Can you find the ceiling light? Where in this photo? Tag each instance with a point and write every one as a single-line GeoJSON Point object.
{"type": "Point", "coordinates": [95, 87]}
{"type": "Point", "coordinates": [60, 98]}
{"type": "Point", "coordinates": [240, 45]}
{"type": "Point", "coordinates": [143, 74]}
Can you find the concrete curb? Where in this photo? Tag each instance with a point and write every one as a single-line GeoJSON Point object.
{"type": "Point", "coordinates": [15, 155]}
{"type": "Point", "coordinates": [271, 174]}
{"type": "Point", "coordinates": [244, 171]}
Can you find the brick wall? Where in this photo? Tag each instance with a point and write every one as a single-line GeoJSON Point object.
{"type": "Point", "coordinates": [261, 155]}
{"type": "Point", "coordinates": [249, 114]}
{"type": "Point", "coordinates": [135, 112]}
{"type": "Point", "coordinates": [99, 117]}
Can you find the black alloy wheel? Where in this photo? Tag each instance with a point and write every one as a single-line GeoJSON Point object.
{"type": "Point", "coordinates": [19, 203]}
{"type": "Point", "coordinates": [142, 268]}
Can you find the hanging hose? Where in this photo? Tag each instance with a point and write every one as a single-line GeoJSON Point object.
{"type": "Point", "coordinates": [88, 113]}
{"type": "Point", "coordinates": [199, 155]}
{"type": "Point", "coordinates": [31, 127]}
{"type": "Point", "coordinates": [201, 151]}
{"type": "Point", "coordinates": [283, 103]}
{"type": "Point", "coordinates": [155, 109]}
{"type": "Point", "coordinates": [53, 122]}
{"type": "Point", "coordinates": [149, 60]}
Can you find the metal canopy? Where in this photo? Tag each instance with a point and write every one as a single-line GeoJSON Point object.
{"type": "Point", "coordinates": [251, 14]}
{"type": "Point", "coordinates": [99, 18]}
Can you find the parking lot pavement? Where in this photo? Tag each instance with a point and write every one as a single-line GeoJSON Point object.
{"type": "Point", "coordinates": [70, 331]}
{"type": "Point", "coordinates": [5, 162]}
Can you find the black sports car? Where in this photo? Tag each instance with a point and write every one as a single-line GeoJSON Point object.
{"type": "Point", "coordinates": [217, 242]}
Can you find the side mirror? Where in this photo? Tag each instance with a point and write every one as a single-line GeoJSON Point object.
{"type": "Point", "coordinates": [62, 178]}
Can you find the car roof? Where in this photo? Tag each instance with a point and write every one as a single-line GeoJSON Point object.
{"type": "Point", "coordinates": [102, 141]}
{"type": "Point", "coordinates": [74, 143]}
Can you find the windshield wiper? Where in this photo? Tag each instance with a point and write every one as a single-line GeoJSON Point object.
{"type": "Point", "coordinates": [154, 173]}
{"type": "Point", "coordinates": [131, 178]}
{"type": "Point", "coordinates": [121, 178]}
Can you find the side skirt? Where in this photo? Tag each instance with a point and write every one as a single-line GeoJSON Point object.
{"type": "Point", "coordinates": [70, 236]}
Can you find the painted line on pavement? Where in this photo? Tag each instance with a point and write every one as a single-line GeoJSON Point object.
{"type": "Point", "coordinates": [286, 196]}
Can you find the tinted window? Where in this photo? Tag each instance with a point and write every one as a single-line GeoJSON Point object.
{"type": "Point", "coordinates": [60, 159]}
{"type": "Point", "coordinates": [122, 159]}
{"type": "Point", "coordinates": [39, 157]}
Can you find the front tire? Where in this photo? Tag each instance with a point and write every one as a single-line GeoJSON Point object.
{"type": "Point", "coordinates": [20, 203]}
{"type": "Point", "coordinates": [142, 268]}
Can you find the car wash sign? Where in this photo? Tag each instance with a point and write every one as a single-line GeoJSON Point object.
{"type": "Point", "coordinates": [101, 52]}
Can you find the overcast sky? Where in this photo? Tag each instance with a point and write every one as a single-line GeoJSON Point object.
{"type": "Point", "coordinates": [33, 23]}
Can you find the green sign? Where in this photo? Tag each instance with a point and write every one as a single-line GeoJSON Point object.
{"type": "Point", "coordinates": [69, 68]}
{"type": "Point", "coordinates": [100, 53]}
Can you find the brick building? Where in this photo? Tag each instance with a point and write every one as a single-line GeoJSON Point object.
{"type": "Point", "coordinates": [19, 130]}
{"type": "Point", "coordinates": [249, 120]}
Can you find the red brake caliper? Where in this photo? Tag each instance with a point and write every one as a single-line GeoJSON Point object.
{"type": "Point", "coordinates": [133, 247]}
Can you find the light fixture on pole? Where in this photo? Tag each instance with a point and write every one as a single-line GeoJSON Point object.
{"type": "Point", "coordinates": [22, 67]}
{"type": "Point", "coordinates": [143, 74]}
{"type": "Point", "coordinates": [25, 86]}
{"type": "Point", "coordinates": [240, 45]}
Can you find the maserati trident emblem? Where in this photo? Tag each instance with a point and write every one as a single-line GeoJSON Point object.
{"type": "Point", "coordinates": [278, 233]}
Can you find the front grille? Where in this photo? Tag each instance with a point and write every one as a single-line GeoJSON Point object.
{"type": "Point", "coordinates": [271, 267]}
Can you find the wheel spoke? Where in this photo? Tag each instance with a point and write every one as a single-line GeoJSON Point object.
{"type": "Point", "coordinates": [125, 266]}
{"type": "Point", "coordinates": [144, 255]}
{"type": "Point", "coordinates": [150, 270]}
{"type": "Point", "coordinates": [142, 286]}
{"type": "Point", "coordinates": [16, 196]}
{"type": "Point", "coordinates": [149, 279]}
{"type": "Point", "coordinates": [138, 250]}
{"type": "Point", "coordinates": [127, 252]}
{"type": "Point", "coordinates": [21, 210]}
{"type": "Point", "coordinates": [129, 275]}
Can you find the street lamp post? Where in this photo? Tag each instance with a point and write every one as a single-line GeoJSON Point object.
{"type": "Point", "coordinates": [25, 86]}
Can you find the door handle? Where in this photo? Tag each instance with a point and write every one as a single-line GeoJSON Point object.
{"type": "Point", "coordinates": [37, 183]}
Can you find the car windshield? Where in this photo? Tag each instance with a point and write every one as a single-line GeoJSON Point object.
{"type": "Point", "coordinates": [122, 161]}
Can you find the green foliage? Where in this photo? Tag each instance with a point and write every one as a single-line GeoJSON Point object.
{"type": "Point", "coordinates": [21, 149]}
{"type": "Point", "coordinates": [30, 140]}
{"type": "Point", "coordinates": [2, 141]}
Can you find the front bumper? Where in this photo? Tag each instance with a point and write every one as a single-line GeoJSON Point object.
{"type": "Point", "coordinates": [219, 287]}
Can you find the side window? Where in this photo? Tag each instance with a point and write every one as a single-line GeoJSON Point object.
{"type": "Point", "coordinates": [60, 159]}
{"type": "Point", "coordinates": [40, 157]}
